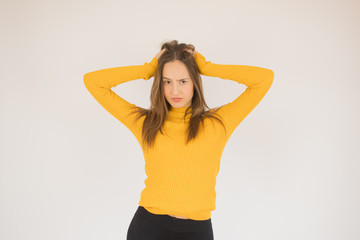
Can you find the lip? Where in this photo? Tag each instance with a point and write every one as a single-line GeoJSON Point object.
{"type": "Point", "coordinates": [177, 99]}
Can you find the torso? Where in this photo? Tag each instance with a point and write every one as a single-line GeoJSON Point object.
{"type": "Point", "coordinates": [179, 217]}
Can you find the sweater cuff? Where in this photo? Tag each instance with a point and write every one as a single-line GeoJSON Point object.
{"type": "Point", "coordinates": [152, 66]}
{"type": "Point", "coordinates": [200, 61]}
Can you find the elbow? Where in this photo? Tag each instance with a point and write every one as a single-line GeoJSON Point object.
{"type": "Point", "coordinates": [86, 78]}
{"type": "Point", "coordinates": [271, 75]}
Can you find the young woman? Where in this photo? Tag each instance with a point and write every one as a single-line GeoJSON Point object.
{"type": "Point", "coordinates": [182, 139]}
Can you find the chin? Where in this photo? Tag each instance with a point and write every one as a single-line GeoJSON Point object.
{"type": "Point", "coordinates": [177, 105]}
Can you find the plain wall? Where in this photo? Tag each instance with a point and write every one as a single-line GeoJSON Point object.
{"type": "Point", "coordinates": [71, 171]}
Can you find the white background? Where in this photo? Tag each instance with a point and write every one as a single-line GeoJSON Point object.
{"type": "Point", "coordinates": [71, 171]}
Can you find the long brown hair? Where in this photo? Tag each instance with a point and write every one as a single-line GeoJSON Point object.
{"type": "Point", "coordinates": [156, 115]}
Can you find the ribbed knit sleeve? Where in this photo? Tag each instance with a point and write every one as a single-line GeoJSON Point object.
{"type": "Point", "coordinates": [258, 81]}
{"type": "Point", "coordinates": [100, 82]}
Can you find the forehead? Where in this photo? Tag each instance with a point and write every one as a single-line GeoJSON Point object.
{"type": "Point", "coordinates": [175, 70]}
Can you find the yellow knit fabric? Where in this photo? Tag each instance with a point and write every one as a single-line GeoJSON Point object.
{"type": "Point", "coordinates": [181, 179]}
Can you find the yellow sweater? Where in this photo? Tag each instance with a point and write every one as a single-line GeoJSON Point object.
{"type": "Point", "coordinates": [181, 179]}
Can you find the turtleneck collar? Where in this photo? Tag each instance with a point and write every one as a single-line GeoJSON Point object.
{"type": "Point", "coordinates": [177, 114]}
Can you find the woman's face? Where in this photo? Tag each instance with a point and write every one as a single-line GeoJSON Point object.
{"type": "Point", "coordinates": [177, 84]}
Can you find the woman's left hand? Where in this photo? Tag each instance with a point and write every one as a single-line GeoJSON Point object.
{"type": "Point", "coordinates": [158, 55]}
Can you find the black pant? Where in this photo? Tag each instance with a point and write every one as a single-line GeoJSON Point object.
{"type": "Point", "coordinates": [148, 226]}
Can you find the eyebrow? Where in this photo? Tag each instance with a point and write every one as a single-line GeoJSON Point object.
{"type": "Point", "coordinates": [178, 80]}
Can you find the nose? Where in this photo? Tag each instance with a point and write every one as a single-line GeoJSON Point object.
{"type": "Point", "coordinates": [174, 89]}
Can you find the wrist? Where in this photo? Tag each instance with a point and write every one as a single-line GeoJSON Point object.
{"type": "Point", "coordinates": [151, 68]}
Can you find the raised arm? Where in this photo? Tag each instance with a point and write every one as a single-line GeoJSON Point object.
{"type": "Point", "coordinates": [100, 82]}
{"type": "Point", "coordinates": [258, 81]}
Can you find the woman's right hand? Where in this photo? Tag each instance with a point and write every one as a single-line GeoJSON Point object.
{"type": "Point", "coordinates": [200, 60]}
{"type": "Point", "coordinates": [191, 51]}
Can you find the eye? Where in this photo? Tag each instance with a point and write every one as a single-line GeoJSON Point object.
{"type": "Point", "coordinates": [165, 82]}
{"type": "Point", "coordinates": [184, 81]}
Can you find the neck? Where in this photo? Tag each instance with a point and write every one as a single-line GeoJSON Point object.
{"type": "Point", "coordinates": [177, 114]}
